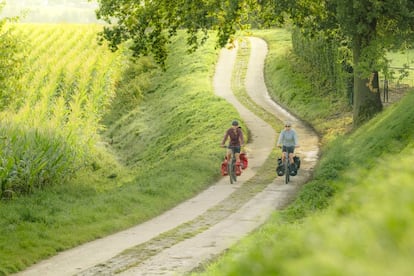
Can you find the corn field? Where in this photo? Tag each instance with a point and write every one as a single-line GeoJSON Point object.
{"type": "Point", "coordinates": [50, 131]}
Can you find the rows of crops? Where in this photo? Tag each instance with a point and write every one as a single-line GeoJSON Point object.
{"type": "Point", "coordinates": [66, 88]}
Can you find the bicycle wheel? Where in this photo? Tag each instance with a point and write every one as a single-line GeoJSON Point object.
{"type": "Point", "coordinates": [287, 171]}
{"type": "Point", "coordinates": [232, 171]}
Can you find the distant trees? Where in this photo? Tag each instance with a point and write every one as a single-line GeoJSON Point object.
{"type": "Point", "coordinates": [371, 28]}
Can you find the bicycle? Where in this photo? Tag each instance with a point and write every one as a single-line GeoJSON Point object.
{"type": "Point", "coordinates": [287, 167]}
{"type": "Point", "coordinates": [231, 166]}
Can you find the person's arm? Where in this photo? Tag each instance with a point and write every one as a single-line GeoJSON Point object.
{"type": "Point", "coordinates": [279, 141]}
{"type": "Point", "coordinates": [241, 137]}
{"type": "Point", "coordinates": [295, 139]}
{"type": "Point", "coordinates": [226, 135]}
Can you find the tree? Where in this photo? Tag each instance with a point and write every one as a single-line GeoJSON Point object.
{"type": "Point", "coordinates": [372, 27]}
{"type": "Point", "coordinates": [149, 25]}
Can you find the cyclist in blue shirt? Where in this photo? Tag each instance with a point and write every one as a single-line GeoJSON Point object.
{"type": "Point", "coordinates": [288, 141]}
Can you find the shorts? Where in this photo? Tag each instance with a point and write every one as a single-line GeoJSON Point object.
{"type": "Point", "coordinates": [289, 149]}
{"type": "Point", "coordinates": [235, 149]}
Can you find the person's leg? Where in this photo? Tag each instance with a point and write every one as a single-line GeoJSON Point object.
{"type": "Point", "coordinates": [291, 158]}
{"type": "Point", "coordinates": [238, 164]}
{"type": "Point", "coordinates": [228, 155]}
{"type": "Point", "coordinates": [284, 149]}
{"type": "Point", "coordinates": [237, 157]}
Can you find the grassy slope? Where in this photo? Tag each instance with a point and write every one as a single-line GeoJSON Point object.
{"type": "Point", "coordinates": [168, 148]}
{"type": "Point", "coordinates": [356, 216]}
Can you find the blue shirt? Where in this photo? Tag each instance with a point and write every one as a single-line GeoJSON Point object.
{"type": "Point", "coordinates": [288, 138]}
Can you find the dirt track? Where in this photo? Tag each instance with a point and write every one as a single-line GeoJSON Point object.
{"type": "Point", "coordinates": [204, 226]}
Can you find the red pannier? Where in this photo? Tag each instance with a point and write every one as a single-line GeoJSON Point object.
{"type": "Point", "coordinates": [244, 161]}
{"type": "Point", "coordinates": [224, 171]}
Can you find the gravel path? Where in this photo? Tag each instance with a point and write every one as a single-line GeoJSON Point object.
{"type": "Point", "coordinates": [181, 239]}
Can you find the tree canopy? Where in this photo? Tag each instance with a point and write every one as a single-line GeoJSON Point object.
{"type": "Point", "coordinates": [371, 28]}
{"type": "Point", "coordinates": [149, 25]}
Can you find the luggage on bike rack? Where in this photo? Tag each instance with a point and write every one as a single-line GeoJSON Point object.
{"type": "Point", "coordinates": [244, 160]}
{"type": "Point", "coordinates": [224, 171]}
{"type": "Point", "coordinates": [294, 171]}
{"type": "Point", "coordinates": [296, 159]}
{"type": "Point", "coordinates": [280, 169]}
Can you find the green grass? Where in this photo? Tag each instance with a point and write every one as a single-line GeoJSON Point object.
{"type": "Point", "coordinates": [150, 157]}
{"type": "Point", "coordinates": [355, 217]}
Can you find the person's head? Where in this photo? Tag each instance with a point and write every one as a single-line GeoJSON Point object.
{"type": "Point", "coordinates": [288, 125]}
{"type": "Point", "coordinates": [235, 123]}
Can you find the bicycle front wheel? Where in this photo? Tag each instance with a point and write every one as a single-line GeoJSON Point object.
{"type": "Point", "coordinates": [287, 172]}
{"type": "Point", "coordinates": [232, 172]}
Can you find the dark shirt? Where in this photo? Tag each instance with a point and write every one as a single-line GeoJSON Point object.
{"type": "Point", "coordinates": [236, 137]}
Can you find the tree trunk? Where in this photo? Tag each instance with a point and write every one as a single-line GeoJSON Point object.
{"type": "Point", "coordinates": [367, 97]}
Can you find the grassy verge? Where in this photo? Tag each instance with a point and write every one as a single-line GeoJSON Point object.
{"type": "Point", "coordinates": [355, 217]}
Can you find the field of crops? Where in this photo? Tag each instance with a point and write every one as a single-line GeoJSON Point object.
{"type": "Point", "coordinates": [50, 130]}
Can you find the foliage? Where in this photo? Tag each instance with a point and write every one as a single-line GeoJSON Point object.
{"type": "Point", "coordinates": [329, 64]}
{"type": "Point", "coordinates": [372, 28]}
{"type": "Point", "coordinates": [149, 26]}
{"type": "Point", "coordinates": [12, 55]}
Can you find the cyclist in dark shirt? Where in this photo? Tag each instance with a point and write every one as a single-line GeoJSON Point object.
{"type": "Point", "coordinates": [236, 142]}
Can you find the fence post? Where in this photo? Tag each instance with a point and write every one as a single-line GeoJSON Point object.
{"type": "Point", "coordinates": [385, 90]}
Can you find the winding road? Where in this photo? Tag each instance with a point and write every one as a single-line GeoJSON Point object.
{"type": "Point", "coordinates": [105, 256]}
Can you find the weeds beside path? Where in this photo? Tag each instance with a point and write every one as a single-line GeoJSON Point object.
{"type": "Point", "coordinates": [203, 227]}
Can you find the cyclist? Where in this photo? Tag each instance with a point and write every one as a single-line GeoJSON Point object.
{"type": "Point", "coordinates": [236, 142]}
{"type": "Point", "coordinates": [288, 141]}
